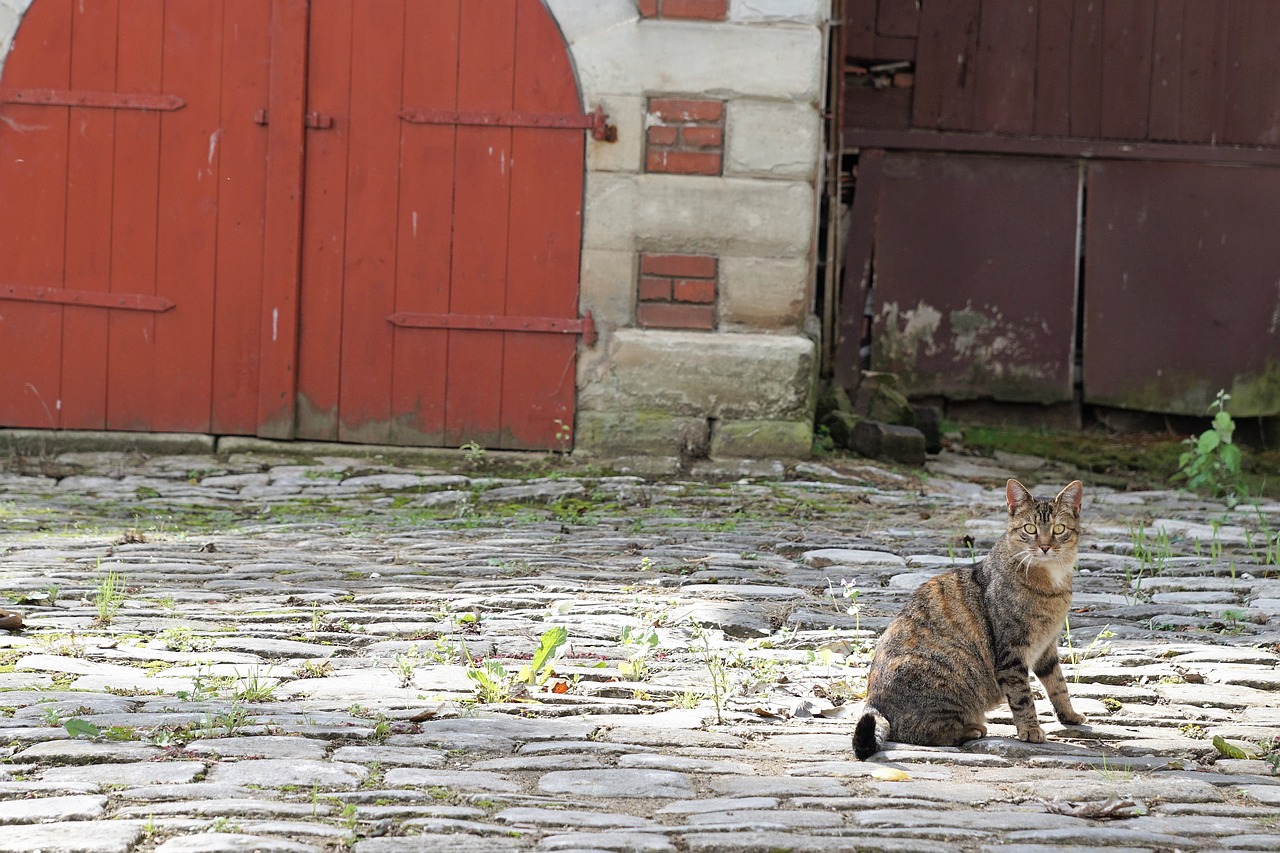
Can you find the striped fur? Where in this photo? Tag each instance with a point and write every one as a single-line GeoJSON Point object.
{"type": "Point", "coordinates": [965, 640]}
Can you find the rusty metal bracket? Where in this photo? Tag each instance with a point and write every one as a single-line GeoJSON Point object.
{"type": "Point", "coordinates": [102, 100]}
{"type": "Point", "coordinates": [314, 120]}
{"type": "Point", "coordinates": [584, 326]}
{"type": "Point", "coordinates": [595, 121]}
{"type": "Point", "coordinates": [86, 298]}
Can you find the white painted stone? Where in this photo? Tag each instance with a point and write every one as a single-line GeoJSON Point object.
{"type": "Point", "coordinates": [782, 62]}
{"type": "Point", "coordinates": [607, 287]}
{"type": "Point", "coordinates": [579, 19]}
{"type": "Point", "coordinates": [626, 113]}
{"type": "Point", "coordinates": [763, 293]}
{"type": "Point", "coordinates": [765, 11]}
{"type": "Point", "coordinates": [682, 213]}
{"type": "Point", "coordinates": [707, 375]}
{"type": "Point", "coordinates": [772, 140]}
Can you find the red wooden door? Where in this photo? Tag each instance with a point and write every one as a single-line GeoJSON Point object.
{"type": "Point", "coordinates": [129, 185]}
{"type": "Point", "coordinates": [428, 215]}
{"type": "Point", "coordinates": [173, 266]}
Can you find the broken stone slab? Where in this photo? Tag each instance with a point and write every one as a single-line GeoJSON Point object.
{"type": "Point", "coordinates": [877, 440]}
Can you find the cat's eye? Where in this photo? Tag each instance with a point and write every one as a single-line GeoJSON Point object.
{"type": "Point", "coordinates": [1029, 528]}
{"type": "Point", "coordinates": [1059, 529]}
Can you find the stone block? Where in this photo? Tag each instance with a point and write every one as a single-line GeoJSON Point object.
{"type": "Point", "coordinates": [723, 376]}
{"type": "Point", "coordinates": [9, 17]}
{"type": "Point", "coordinates": [877, 440]}
{"type": "Point", "coordinates": [582, 19]}
{"type": "Point", "coordinates": [929, 422]}
{"type": "Point", "coordinates": [606, 290]}
{"type": "Point", "coordinates": [626, 113]}
{"type": "Point", "coordinates": [764, 293]}
{"type": "Point", "coordinates": [652, 433]}
{"type": "Point", "coordinates": [773, 140]}
{"type": "Point", "coordinates": [780, 63]}
{"type": "Point", "coordinates": [746, 217]}
{"type": "Point", "coordinates": [762, 439]}
{"type": "Point", "coordinates": [770, 11]}
{"type": "Point", "coordinates": [840, 426]}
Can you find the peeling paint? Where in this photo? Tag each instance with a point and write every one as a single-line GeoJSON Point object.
{"type": "Point", "coordinates": [976, 351]}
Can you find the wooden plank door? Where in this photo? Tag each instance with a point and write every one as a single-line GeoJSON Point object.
{"type": "Point", "coordinates": [437, 223]}
{"type": "Point", "coordinates": [133, 177]}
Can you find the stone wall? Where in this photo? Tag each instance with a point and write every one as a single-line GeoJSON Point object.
{"type": "Point", "coordinates": [699, 222]}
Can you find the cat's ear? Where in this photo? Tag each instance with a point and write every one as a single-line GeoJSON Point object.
{"type": "Point", "coordinates": [1071, 496]}
{"type": "Point", "coordinates": [1015, 495]}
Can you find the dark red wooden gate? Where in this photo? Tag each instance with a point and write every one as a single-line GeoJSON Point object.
{"type": "Point", "coordinates": [1020, 162]}
{"type": "Point", "coordinates": [316, 218]}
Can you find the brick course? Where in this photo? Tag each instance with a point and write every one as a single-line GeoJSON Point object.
{"type": "Point", "coordinates": [685, 136]}
{"type": "Point", "coordinates": [689, 10]}
{"type": "Point", "coordinates": [677, 291]}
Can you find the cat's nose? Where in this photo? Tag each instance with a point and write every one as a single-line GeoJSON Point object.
{"type": "Point", "coordinates": [1045, 548]}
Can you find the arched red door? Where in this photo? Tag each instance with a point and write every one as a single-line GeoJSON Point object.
{"type": "Point", "coordinates": [332, 219]}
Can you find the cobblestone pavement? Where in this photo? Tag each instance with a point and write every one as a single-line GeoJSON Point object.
{"type": "Point", "coordinates": [256, 653]}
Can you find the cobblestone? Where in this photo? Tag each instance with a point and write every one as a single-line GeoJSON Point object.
{"type": "Point", "coordinates": [256, 652]}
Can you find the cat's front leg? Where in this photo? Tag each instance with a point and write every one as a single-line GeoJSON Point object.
{"type": "Point", "coordinates": [1049, 671]}
{"type": "Point", "coordinates": [1012, 677]}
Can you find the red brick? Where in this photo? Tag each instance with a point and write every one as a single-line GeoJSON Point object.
{"type": "Point", "coordinates": [679, 266]}
{"type": "Point", "coordinates": [663, 135]}
{"type": "Point", "coordinates": [698, 10]}
{"type": "Point", "coordinates": [703, 137]}
{"type": "Point", "coordinates": [904, 80]}
{"type": "Point", "coordinates": [668, 315]}
{"type": "Point", "coordinates": [648, 8]}
{"type": "Point", "coordinates": [683, 162]}
{"type": "Point", "coordinates": [683, 109]}
{"type": "Point", "coordinates": [653, 289]}
{"type": "Point", "coordinates": [695, 290]}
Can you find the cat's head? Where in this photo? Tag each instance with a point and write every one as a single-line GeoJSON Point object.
{"type": "Point", "coordinates": [1044, 532]}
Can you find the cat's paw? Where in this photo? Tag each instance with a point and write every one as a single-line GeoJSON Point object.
{"type": "Point", "coordinates": [1032, 735]}
{"type": "Point", "coordinates": [1071, 718]}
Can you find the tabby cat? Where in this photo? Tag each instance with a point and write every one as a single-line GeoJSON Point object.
{"type": "Point", "coordinates": [965, 639]}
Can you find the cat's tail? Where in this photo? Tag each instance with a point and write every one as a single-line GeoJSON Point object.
{"type": "Point", "coordinates": [870, 733]}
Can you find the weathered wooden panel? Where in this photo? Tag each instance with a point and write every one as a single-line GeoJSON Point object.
{"type": "Point", "coordinates": [898, 18]}
{"type": "Point", "coordinates": [1166, 71]}
{"type": "Point", "coordinates": [975, 276]}
{"type": "Point", "coordinates": [859, 254]}
{"type": "Point", "coordinates": [1252, 74]}
{"type": "Point", "coordinates": [945, 56]}
{"type": "Point", "coordinates": [426, 228]}
{"type": "Point", "coordinates": [538, 371]}
{"type": "Point", "coordinates": [242, 153]}
{"type": "Point", "coordinates": [1204, 45]}
{"type": "Point", "coordinates": [33, 149]}
{"type": "Point", "coordinates": [1005, 73]}
{"type": "Point", "coordinates": [1126, 68]}
{"type": "Point", "coordinates": [1180, 287]}
{"type": "Point", "coordinates": [1086, 69]}
{"type": "Point", "coordinates": [1053, 70]}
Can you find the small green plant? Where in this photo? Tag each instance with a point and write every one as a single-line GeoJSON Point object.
{"type": "Point", "coordinates": [313, 669]}
{"type": "Point", "coordinates": [1211, 461]}
{"type": "Point", "coordinates": [109, 596]}
{"type": "Point", "coordinates": [495, 684]}
{"type": "Point", "coordinates": [406, 665]}
{"type": "Point", "coordinates": [180, 638]}
{"type": "Point", "coordinates": [473, 453]}
{"type": "Point", "coordinates": [637, 645]}
{"type": "Point", "coordinates": [538, 670]}
{"type": "Point", "coordinates": [717, 672]}
{"type": "Point", "coordinates": [51, 594]}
